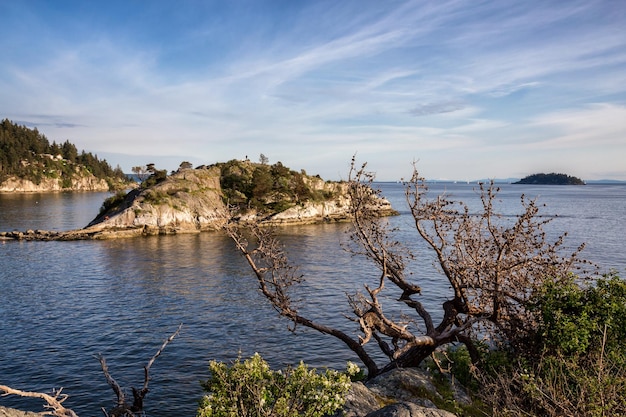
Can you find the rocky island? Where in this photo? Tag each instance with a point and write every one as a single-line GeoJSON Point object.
{"type": "Point", "coordinates": [192, 200]}
{"type": "Point", "coordinates": [550, 179]}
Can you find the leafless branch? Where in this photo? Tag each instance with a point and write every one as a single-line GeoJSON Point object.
{"type": "Point", "coordinates": [122, 407]}
{"type": "Point", "coordinates": [54, 402]}
{"type": "Point", "coordinates": [494, 265]}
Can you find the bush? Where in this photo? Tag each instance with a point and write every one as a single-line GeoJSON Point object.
{"type": "Point", "coordinates": [251, 388]}
{"type": "Point", "coordinates": [112, 202]}
{"type": "Point", "coordinates": [576, 365]}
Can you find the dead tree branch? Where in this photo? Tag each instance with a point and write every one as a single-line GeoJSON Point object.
{"type": "Point", "coordinates": [54, 401]}
{"type": "Point", "coordinates": [122, 407]}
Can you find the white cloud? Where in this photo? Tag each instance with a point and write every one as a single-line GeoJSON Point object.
{"type": "Point", "coordinates": [595, 126]}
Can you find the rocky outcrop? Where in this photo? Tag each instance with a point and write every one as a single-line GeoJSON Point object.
{"type": "Point", "coordinates": [187, 201]}
{"type": "Point", "coordinates": [191, 201]}
{"type": "Point", "coordinates": [399, 393]}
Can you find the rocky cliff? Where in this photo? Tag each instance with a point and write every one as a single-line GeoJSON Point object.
{"type": "Point", "coordinates": [189, 200]}
{"type": "Point", "coordinates": [82, 183]}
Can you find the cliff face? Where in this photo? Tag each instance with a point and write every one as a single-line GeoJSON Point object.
{"type": "Point", "coordinates": [187, 201]}
{"type": "Point", "coordinates": [83, 183]}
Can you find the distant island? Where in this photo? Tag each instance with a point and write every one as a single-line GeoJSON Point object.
{"type": "Point", "coordinates": [550, 179]}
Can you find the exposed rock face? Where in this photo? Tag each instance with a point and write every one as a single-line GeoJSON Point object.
{"type": "Point", "coordinates": [191, 200]}
{"type": "Point", "coordinates": [11, 412]}
{"type": "Point", "coordinates": [83, 183]}
{"type": "Point", "coordinates": [397, 393]}
{"type": "Point", "coordinates": [188, 201]}
{"type": "Point", "coordinates": [406, 409]}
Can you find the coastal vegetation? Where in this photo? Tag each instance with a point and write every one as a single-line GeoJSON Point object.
{"type": "Point", "coordinates": [575, 362]}
{"type": "Point", "coordinates": [251, 388]}
{"type": "Point", "coordinates": [267, 188]}
{"type": "Point", "coordinates": [194, 199]}
{"type": "Point", "coordinates": [27, 154]}
{"type": "Point", "coordinates": [550, 179]}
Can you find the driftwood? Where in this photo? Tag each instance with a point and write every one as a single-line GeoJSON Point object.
{"type": "Point", "coordinates": [55, 401]}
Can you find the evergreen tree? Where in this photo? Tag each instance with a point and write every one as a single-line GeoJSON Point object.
{"type": "Point", "coordinates": [26, 153]}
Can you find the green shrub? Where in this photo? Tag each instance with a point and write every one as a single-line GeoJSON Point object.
{"type": "Point", "coordinates": [574, 317]}
{"type": "Point", "coordinates": [251, 388]}
{"type": "Point", "coordinates": [112, 202]}
{"type": "Point", "coordinates": [156, 197]}
{"type": "Point", "coordinates": [577, 364]}
{"type": "Point", "coordinates": [66, 182]}
{"type": "Point", "coordinates": [157, 177]}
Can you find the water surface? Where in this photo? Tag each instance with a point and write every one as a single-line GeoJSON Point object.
{"type": "Point", "coordinates": [61, 303]}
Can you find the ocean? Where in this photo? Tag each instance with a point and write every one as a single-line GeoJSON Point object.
{"type": "Point", "coordinates": [62, 303]}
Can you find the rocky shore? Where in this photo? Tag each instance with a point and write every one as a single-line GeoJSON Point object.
{"type": "Point", "coordinates": [46, 185]}
{"type": "Point", "coordinates": [397, 393]}
{"type": "Point", "coordinates": [401, 393]}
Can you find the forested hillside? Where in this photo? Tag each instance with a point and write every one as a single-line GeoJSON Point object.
{"type": "Point", "coordinates": [26, 153]}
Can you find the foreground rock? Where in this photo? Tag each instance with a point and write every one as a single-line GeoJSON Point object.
{"type": "Point", "coordinates": [11, 412]}
{"type": "Point", "coordinates": [192, 201]}
{"type": "Point", "coordinates": [398, 393]}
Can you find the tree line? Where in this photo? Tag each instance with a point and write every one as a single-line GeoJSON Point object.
{"type": "Point", "coordinates": [27, 153]}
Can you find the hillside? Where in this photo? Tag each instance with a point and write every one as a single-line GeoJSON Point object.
{"type": "Point", "coordinates": [550, 179]}
{"type": "Point", "coordinates": [28, 162]}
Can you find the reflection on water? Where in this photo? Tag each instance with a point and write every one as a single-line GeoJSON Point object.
{"type": "Point", "coordinates": [63, 302]}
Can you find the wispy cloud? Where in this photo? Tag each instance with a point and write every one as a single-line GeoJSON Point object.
{"type": "Point", "coordinates": [436, 108]}
{"type": "Point", "coordinates": [444, 79]}
{"type": "Point", "coordinates": [601, 125]}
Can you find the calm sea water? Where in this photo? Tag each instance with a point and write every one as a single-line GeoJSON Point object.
{"type": "Point", "coordinates": [61, 303]}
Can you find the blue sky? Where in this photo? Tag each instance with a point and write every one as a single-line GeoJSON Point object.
{"type": "Point", "coordinates": [469, 89]}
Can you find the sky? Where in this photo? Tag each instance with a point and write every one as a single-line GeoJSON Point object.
{"type": "Point", "coordinates": [466, 89]}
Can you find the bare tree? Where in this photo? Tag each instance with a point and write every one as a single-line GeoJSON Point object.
{"type": "Point", "coordinates": [493, 264]}
{"type": "Point", "coordinates": [123, 408]}
{"type": "Point", "coordinates": [141, 171]}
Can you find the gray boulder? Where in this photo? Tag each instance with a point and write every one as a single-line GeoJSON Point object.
{"type": "Point", "coordinates": [398, 393]}
{"type": "Point", "coordinates": [11, 412]}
